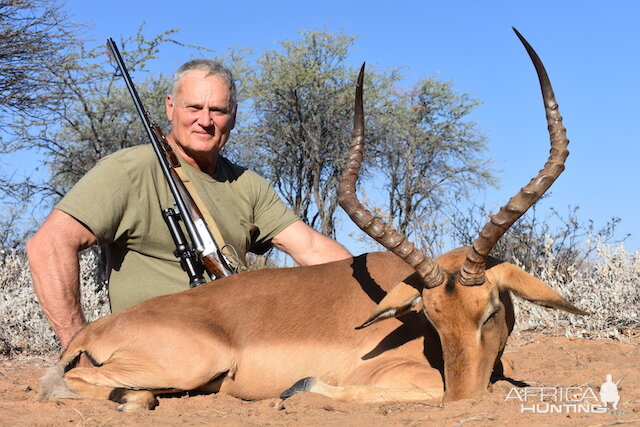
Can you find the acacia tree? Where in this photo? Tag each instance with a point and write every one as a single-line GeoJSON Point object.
{"type": "Point", "coordinates": [301, 118]}
{"type": "Point", "coordinates": [430, 154]}
{"type": "Point", "coordinates": [94, 117]}
{"type": "Point", "coordinates": [34, 35]}
{"type": "Point", "coordinates": [420, 140]}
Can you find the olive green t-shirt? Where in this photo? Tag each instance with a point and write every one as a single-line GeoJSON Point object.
{"type": "Point", "coordinates": [120, 200]}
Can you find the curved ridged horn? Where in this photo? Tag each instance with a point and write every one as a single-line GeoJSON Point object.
{"type": "Point", "coordinates": [432, 274]}
{"type": "Point", "coordinates": [473, 269]}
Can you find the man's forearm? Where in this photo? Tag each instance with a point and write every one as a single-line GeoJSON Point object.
{"type": "Point", "coordinates": [55, 272]}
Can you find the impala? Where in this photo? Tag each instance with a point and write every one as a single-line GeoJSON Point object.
{"type": "Point", "coordinates": [255, 334]}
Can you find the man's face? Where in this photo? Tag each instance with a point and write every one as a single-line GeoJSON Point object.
{"type": "Point", "coordinates": [200, 115]}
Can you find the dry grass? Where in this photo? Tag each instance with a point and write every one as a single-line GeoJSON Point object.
{"type": "Point", "coordinates": [609, 290]}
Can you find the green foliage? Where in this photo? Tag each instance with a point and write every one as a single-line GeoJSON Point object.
{"type": "Point", "coordinates": [295, 129]}
{"type": "Point", "coordinates": [430, 155]}
{"type": "Point", "coordinates": [35, 36]}
{"type": "Point", "coordinates": [301, 101]}
{"type": "Point", "coordinates": [89, 114]}
{"type": "Point", "coordinates": [96, 118]}
{"type": "Point", "coordinates": [302, 113]}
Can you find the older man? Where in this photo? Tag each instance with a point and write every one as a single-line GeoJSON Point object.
{"type": "Point", "coordinates": [119, 202]}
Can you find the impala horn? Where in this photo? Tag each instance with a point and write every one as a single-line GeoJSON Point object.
{"type": "Point", "coordinates": [432, 274]}
{"type": "Point", "coordinates": [473, 270]}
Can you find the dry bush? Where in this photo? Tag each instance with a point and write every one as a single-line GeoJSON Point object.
{"type": "Point", "coordinates": [24, 328]}
{"type": "Point", "coordinates": [607, 289]}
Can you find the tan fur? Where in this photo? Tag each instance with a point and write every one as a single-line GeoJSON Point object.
{"type": "Point", "coordinates": [254, 334]}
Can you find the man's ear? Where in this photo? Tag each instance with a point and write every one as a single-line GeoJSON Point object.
{"type": "Point", "coordinates": [235, 111]}
{"type": "Point", "coordinates": [509, 277]}
{"type": "Point", "coordinates": [400, 300]}
{"type": "Point", "coordinates": [168, 107]}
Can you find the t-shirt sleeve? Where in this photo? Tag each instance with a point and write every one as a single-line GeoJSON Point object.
{"type": "Point", "coordinates": [271, 214]}
{"type": "Point", "coordinates": [99, 200]}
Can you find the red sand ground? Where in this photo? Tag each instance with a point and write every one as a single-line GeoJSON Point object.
{"type": "Point", "coordinates": [539, 361]}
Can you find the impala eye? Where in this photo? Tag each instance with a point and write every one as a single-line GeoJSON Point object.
{"type": "Point", "coordinates": [493, 314]}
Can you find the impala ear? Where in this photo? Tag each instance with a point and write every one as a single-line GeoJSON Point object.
{"type": "Point", "coordinates": [509, 277]}
{"type": "Point", "coordinates": [398, 301]}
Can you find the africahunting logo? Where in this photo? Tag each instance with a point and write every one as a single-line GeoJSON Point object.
{"type": "Point", "coordinates": [575, 399]}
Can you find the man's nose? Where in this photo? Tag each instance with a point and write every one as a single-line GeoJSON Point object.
{"type": "Point", "coordinates": [204, 118]}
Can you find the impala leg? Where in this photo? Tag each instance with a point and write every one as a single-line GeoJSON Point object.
{"type": "Point", "coordinates": [407, 382]}
{"type": "Point", "coordinates": [364, 394]}
{"type": "Point", "coordinates": [100, 383]}
{"type": "Point", "coordinates": [90, 382]}
{"type": "Point", "coordinates": [504, 368]}
{"type": "Point", "coordinates": [133, 400]}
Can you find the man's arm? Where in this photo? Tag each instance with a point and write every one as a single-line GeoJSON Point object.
{"type": "Point", "coordinates": [308, 247]}
{"type": "Point", "coordinates": [53, 259]}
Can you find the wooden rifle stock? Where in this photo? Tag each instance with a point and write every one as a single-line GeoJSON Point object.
{"type": "Point", "coordinates": [201, 251]}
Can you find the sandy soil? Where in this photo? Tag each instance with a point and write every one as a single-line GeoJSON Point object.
{"type": "Point", "coordinates": [540, 361]}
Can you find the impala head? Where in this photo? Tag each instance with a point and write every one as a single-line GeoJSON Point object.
{"type": "Point", "coordinates": [465, 293]}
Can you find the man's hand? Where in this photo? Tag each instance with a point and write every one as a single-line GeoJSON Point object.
{"type": "Point", "coordinates": [308, 247]}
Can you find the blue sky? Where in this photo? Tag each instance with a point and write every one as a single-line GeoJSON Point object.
{"type": "Point", "coordinates": [590, 50]}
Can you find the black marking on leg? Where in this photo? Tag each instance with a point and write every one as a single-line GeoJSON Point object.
{"type": "Point", "coordinates": [118, 395]}
{"type": "Point", "coordinates": [73, 363]}
{"type": "Point", "coordinates": [304, 384]}
{"type": "Point", "coordinates": [153, 404]}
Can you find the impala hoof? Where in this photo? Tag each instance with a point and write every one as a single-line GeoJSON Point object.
{"type": "Point", "coordinates": [133, 400]}
{"type": "Point", "coordinates": [304, 384]}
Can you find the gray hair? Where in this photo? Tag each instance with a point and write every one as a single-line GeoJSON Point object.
{"type": "Point", "coordinates": [212, 68]}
